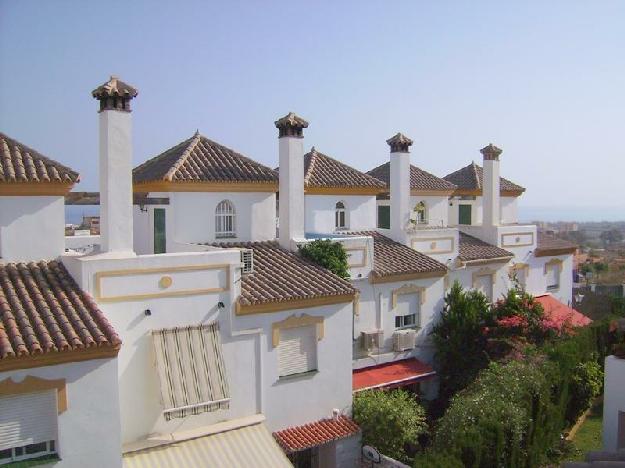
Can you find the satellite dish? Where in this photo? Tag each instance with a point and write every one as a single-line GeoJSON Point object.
{"type": "Point", "coordinates": [371, 454]}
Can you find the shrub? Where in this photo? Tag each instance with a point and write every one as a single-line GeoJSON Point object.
{"type": "Point", "coordinates": [328, 254]}
{"type": "Point", "coordinates": [459, 339]}
{"type": "Point", "coordinates": [432, 459]}
{"type": "Point", "coordinates": [586, 384]}
{"type": "Point", "coordinates": [391, 421]}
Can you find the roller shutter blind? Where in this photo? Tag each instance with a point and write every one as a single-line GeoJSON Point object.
{"type": "Point", "coordinates": [28, 418]}
{"type": "Point", "coordinates": [297, 351]}
{"type": "Point", "coordinates": [191, 370]}
{"type": "Point", "coordinates": [553, 276]}
{"type": "Point", "coordinates": [485, 284]}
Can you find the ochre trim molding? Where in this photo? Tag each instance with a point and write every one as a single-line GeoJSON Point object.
{"type": "Point", "coordinates": [433, 241]}
{"type": "Point", "coordinates": [554, 252]}
{"type": "Point", "coordinates": [407, 289]}
{"type": "Point", "coordinates": [294, 321]}
{"type": "Point", "coordinates": [478, 193]}
{"type": "Point", "coordinates": [487, 261]}
{"type": "Point", "coordinates": [163, 293]}
{"type": "Point", "coordinates": [431, 193]}
{"type": "Point", "coordinates": [553, 262]}
{"type": "Point", "coordinates": [241, 309]}
{"type": "Point", "coordinates": [364, 256]}
{"type": "Point", "coordinates": [54, 358]}
{"type": "Point", "coordinates": [405, 277]}
{"type": "Point", "coordinates": [484, 272]}
{"type": "Point", "coordinates": [168, 186]}
{"type": "Point", "coordinates": [37, 384]}
{"type": "Point", "coordinates": [344, 190]}
{"type": "Point", "coordinates": [518, 234]}
{"type": "Point", "coordinates": [34, 189]}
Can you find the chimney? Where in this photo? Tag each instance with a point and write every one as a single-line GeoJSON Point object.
{"type": "Point", "coordinates": [115, 166]}
{"type": "Point", "coordinates": [490, 186]}
{"type": "Point", "coordinates": [291, 151]}
{"type": "Point", "coordinates": [400, 185]}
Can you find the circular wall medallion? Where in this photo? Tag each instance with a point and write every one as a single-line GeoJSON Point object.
{"type": "Point", "coordinates": [165, 282]}
{"type": "Point", "coordinates": [518, 239]}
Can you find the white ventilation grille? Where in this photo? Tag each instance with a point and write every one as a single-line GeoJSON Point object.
{"type": "Point", "coordinates": [247, 260]}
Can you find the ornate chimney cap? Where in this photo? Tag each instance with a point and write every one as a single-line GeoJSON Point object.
{"type": "Point", "coordinates": [291, 125]}
{"type": "Point", "coordinates": [399, 143]}
{"type": "Point", "coordinates": [491, 152]}
{"type": "Point", "coordinates": [114, 94]}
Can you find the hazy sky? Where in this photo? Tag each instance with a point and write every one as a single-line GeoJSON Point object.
{"type": "Point", "coordinates": [544, 80]}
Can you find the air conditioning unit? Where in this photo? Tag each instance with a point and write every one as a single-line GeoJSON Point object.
{"type": "Point", "coordinates": [404, 340]}
{"type": "Point", "coordinates": [247, 261]}
{"type": "Point", "coordinates": [371, 340]}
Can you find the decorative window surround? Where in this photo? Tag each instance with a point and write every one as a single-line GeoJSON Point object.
{"type": "Point", "coordinates": [520, 267]}
{"type": "Point", "coordinates": [550, 265]}
{"type": "Point", "coordinates": [553, 261]}
{"type": "Point", "coordinates": [32, 384]}
{"type": "Point", "coordinates": [408, 289]}
{"type": "Point", "coordinates": [484, 272]}
{"type": "Point", "coordinates": [295, 322]}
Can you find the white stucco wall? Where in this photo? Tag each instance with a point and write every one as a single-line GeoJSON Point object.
{"type": "Point", "coordinates": [190, 218]}
{"type": "Point", "coordinates": [376, 313]}
{"type": "Point", "coordinates": [613, 401]}
{"type": "Point", "coordinates": [31, 228]}
{"type": "Point", "coordinates": [251, 360]}
{"type": "Point", "coordinates": [509, 210]}
{"type": "Point", "coordinates": [437, 209]}
{"type": "Point", "coordinates": [465, 276]}
{"type": "Point", "coordinates": [361, 211]}
{"type": "Point", "coordinates": [537, 279]}
{"type": "Point", "coordinates": [89, 430]}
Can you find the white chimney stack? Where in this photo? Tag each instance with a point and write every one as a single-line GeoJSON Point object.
{"type": "Point", "coordinates": [400, 185]}
{"type": "Point", "coordinates": [291, 150]}
{"type": "Point", "coordinates": [115, 166]}
{"type": "Point", "coordinates": [491, 186]}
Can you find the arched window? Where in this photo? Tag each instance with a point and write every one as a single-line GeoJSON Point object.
{"type": "Point", "coordinates": [340, 218]}
{"type": "Point", "coordinates": [224, 220]}
{"type": "Point", "coordinates": [419, 213]}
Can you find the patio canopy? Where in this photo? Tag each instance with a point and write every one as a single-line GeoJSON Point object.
{"type": "Point", "coordinates": [391, 374]}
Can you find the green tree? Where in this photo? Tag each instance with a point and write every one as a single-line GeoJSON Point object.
{"type": "Point", "coordinates": [391, 421]}
{"type": "Point", "coordinates": [459, 339]}
{"type": "Point", "coordinates": [328, 254]}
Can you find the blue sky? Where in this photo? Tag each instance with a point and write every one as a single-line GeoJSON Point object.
{"type": "Point", "coordinates": [542, 80]}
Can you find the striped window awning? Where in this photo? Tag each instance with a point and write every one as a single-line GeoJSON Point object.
{"type": "Point", "coordinates": [249, 446]}
{"type": "Point", "coordinates": [191, 370]}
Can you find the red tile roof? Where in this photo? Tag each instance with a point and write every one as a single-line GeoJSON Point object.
{"type": "Point", "coordinates": [561, 313]}
{"type": "Point", "coordinates": [471, 177]}
{"type": "Point", "coordinates": [471, 248]}
{"type": "Point", "coordinates": [391, 375]}
{"type": "Point", "coordinates": [44, 314]}
{"type": "Point", "coordinates": [316, 433]}
{"type": "Point", "coordinates": [548, 245]}
{"type": "Point", "coordinates": [419, 179]}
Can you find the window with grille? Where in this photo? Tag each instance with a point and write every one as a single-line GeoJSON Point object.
{"type": "Point", "coordinates": [340, 220]}
{"type": "Point", "coordinates": [225, 225]}
{"type": "Point", "coordinates": [28, 426]}
{"type": "Point", "coordinates": [419, 213]}
{"type": "Point", "coordinates": [297, 351]}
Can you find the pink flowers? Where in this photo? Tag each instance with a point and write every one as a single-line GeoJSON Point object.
{"type": "Point", "coordinates": [513, 321]}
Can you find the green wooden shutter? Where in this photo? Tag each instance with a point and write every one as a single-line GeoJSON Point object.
{"type": "Point", "coordinates": [464, 214]}
{"type": "Point", "coordinates": [384, 216]}
{"type": "Point", "coordinates": [160, 241]}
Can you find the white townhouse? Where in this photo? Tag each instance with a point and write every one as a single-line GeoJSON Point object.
{"type": "Point", "coordinates": [58, 352]}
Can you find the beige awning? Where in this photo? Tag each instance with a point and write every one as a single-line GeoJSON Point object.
{"type": "Point", "coordinates": [250, 446]}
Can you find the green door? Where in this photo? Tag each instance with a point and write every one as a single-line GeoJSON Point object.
{"type": "Point", "coordinates": [384, 217]}
{"type": "Point", "coordinates": [159, 231]}
{"type": "Point", "coordinates": [464, 214]}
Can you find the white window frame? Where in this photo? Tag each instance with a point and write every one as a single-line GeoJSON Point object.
{"type": "Point", "coordinates": [225, 220]}
{"type": "Point", "coordinates": [402, 321]}
{"type": "Point", "coordinates": [556, 268]}
{"type": "Point", "coordinates": [340, 212]}
{"type": "Point", "coordinates": [49, 450]}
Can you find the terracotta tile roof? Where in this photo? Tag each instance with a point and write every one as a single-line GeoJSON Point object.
{"type": "Point", "coordinates": [392, 258]}
{"type": "Point", "coordinates": [560, 313]}
{"type": "Point", "coordinates": [471, 248]}
{"type": "Point", "coordinates": [471, 177]}
{"type": "Point", "coordinates": [199, 159]}
{"type": "Point", "coordinates": [321, 170]}
{"type": "Point", "coordinates": [550, 245]}
{"type": "Point", "coordinates": [391, 374]}
{"type": "Point", "coordinates": [316, 433]}
{"type": "Point", "coordinates": [19, 163]}
{"type": "Point", "coordinates": [282, 276]}
{"type": "Point", "coordinates": [44, 312]}
{"type": "Point", "coordinates": [419, 179]}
